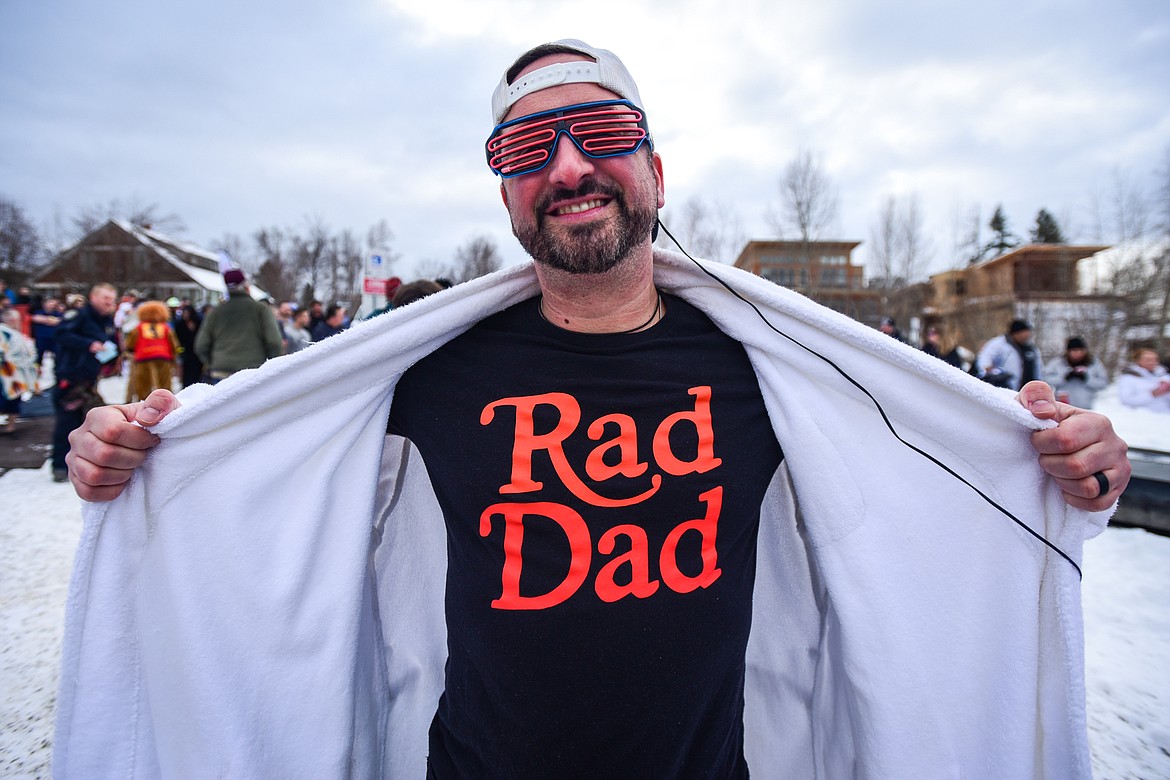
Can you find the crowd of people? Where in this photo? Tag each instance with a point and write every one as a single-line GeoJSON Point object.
{"type": "Point", "coordinates": [1012, 359]}
{"type": "Point", "coordinates": [565, 555]}
{"type": "Point", "coordinates": [152, 343]}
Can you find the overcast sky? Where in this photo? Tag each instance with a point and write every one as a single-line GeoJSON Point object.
{"type": "Point", "coordinates": [241, 115]}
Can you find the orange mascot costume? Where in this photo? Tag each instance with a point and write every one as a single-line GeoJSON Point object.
{"type": "Point", "coordinates": [154, 349]}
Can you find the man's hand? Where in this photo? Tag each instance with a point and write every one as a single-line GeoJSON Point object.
{"type": "Point", "coordinates": [108, 446]}
{"type": "Point", "coordinates": [1082, 444]}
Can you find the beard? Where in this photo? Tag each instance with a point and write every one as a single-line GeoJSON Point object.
{"type": "Point", "coordinates": [592, 248]}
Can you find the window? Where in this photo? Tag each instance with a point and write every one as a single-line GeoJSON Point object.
{"type": "Point", "coordinates": [789, 277]}
{"type": "Point", "coordinates": [833, 277]}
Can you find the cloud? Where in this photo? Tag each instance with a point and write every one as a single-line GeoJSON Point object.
{"type": "Point", "coordinates": [237, 116]}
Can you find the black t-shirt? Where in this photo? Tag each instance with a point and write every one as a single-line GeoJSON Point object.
{"type": "Point", "coordinates": [602, 497]}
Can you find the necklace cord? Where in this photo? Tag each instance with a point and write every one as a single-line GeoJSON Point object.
{"type": "Point", "coordinates": [646, 324]}
{"type": "Point", "coordinates": [881, 411]}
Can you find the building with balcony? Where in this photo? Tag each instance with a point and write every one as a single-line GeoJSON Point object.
{"type": "Point", "coordinates": [1040, 283]}
{"type": "Point", "coordinates": [822, 270]}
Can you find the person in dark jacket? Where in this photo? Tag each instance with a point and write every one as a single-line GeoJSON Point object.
{"type": "Point", "coordinates": [239, 333]}
{"type": "Point", "coordinates": [1011, 359]}
{"type": "Point", "coordinates": [1076, 376]}
{"type": "Point", "coordinates": [889, 327]}
{"type": "Point", "coordinates": [187, 328]}
{"type": "Point", "coordinates": [45, 318]}
{"type": "Point", "coordinates": [84, 343]}
{"type": "Point", "coordinates": [333, 323]}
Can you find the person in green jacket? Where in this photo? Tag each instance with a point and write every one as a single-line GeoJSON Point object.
{"type": "Point", "coordinates": [239, 333]}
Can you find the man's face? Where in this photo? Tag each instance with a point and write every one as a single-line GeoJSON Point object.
{"type": "Point", "coordinates": [1076, 353]}
{"type": "Point", "coordinates": [578, 214]}
{"type": "Point", "coordinates": [285, 311]}
{"type": "Point", "coordinates": [1022, 336]}
{"type": "Point", "coordinates": [337, 318]}
{"type": "Point", "coordinates": [104, 301]}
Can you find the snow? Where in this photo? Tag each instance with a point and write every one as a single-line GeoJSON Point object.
{"type": "Point", "coordinates": [1126, 590]}
{"type": "Point", "coordinates": [1139, 427]}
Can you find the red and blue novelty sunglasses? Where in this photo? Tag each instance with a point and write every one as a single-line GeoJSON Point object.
{"type": "Point", "coordinates": [609, 128]}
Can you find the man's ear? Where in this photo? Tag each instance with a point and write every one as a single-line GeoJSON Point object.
{"type": "Point", "coordinates": [658, 179]}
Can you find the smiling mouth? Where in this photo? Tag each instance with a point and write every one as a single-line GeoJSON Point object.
{"type": "Point", "coordinates": [577, 208]}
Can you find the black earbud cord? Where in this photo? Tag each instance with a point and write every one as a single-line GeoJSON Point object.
{"type": "Point", "coordinates": [869, 395]}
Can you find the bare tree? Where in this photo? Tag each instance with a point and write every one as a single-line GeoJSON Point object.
{"type": "Point", "coordinates": [308, 254]}
{"type": "Point", "coordinates": [276, 273]}
{"type": "Point", "coordinates": [348, 268]}
{"type": "Point", "coordinates": [966, 234]}
{"type": "Point", "coordinates": [21, 247]}
{"type": "Point", "coordinates": [478, 257]}
{"type": "Point", "coordinates": [808, 200]}
{"type": "Point", "coordinates": [89, 218]}
{"type": "Point", "coordinates": [239, 250]}
{"type": "Point", "coordinates": [915, 246]}
{"type": "Point", "coordinates": [1161, 263]}
{"type": "Point", "coordinates": [708, 229]}
{"type": "Point", "coordinates": [883, 242]}
{"type": "Point", "coordinates": [1128, 210]}
{"type": "Point", "coordinates": [434, 268]}
{"type": "Point", "coordinates": [897, 253]}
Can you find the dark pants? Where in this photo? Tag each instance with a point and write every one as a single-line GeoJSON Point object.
{"type": "Point", "coordinates": [67, 422]}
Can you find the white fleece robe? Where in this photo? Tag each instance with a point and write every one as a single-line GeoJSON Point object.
{"type": "Point", "coordinates": [266, 597]}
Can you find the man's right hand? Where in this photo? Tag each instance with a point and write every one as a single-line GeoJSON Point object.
{"type": "Point", "coordinates": [108, 446]}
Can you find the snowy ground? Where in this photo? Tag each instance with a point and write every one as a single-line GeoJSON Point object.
{"type": "Point", "coordinates": [1126, 598]}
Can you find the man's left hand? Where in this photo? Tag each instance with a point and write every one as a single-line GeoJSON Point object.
{"type": "Point", "coordinates": [1082, 444]}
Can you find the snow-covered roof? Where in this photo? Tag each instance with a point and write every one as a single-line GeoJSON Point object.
{"type": "Point", "coordinates": [205, 278]}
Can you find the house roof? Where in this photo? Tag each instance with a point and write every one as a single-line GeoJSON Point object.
{"type": "Point", "coordinates": [172, 251]}
{"type": "Point", "coordinates": [166, 248]}
{"type": "Point", "coordinates": [1078, 250]}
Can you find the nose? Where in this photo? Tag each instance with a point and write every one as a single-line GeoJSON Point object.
{"type": "Point", "coordinates": [568, 165]}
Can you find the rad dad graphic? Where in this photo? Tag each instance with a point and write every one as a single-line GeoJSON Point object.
{"type": "Point", "coordinates": [627, 574]}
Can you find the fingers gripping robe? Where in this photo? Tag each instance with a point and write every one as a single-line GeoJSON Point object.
{"type": "Point", "coordinates": [1082, 453]}
{"type": "Point", "coordinates": [111, 443]}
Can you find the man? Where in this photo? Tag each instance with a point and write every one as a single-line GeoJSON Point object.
{"type": "Point", "coordinates": [45, 320]}
{"type": "Point", "coordinates": [297, 333]}
{"type": "Point", "coordinates": [889, 327]}
{"type": "Point", "coordinates": [601, 454]}
{"type": "Point", "coordinates": [239, 333]}
{"type": "Point", "coordinates": [1076, 376]}
{"type": "Point", "coordinates": [316, 314]}
{"type": "Point", "coordinates": [1011, 359]}
{"type": "Point", "coordinates": [124, 317]}
{"type": "Point", "coordinates": [83, 344]}
{"type": "Point", "coordinates": [331, 324]}
{"type": "Point", "coordinates": [284, 320]}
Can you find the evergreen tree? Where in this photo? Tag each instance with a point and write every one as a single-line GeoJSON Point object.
{"type": "Point", "coordinates": [1046, 230]}
{"type": "Point", "coordinates": [1003, 239]}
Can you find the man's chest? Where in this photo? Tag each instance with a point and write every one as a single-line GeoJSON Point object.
{"type": "Point", "coordinates": [590, 475]}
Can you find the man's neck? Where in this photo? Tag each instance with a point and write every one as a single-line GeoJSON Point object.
{"type": "Point", "coordinates": [621, 299]}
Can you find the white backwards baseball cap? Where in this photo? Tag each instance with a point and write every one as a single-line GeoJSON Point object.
{"type": "Point", "coordinates": [606, 70]}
